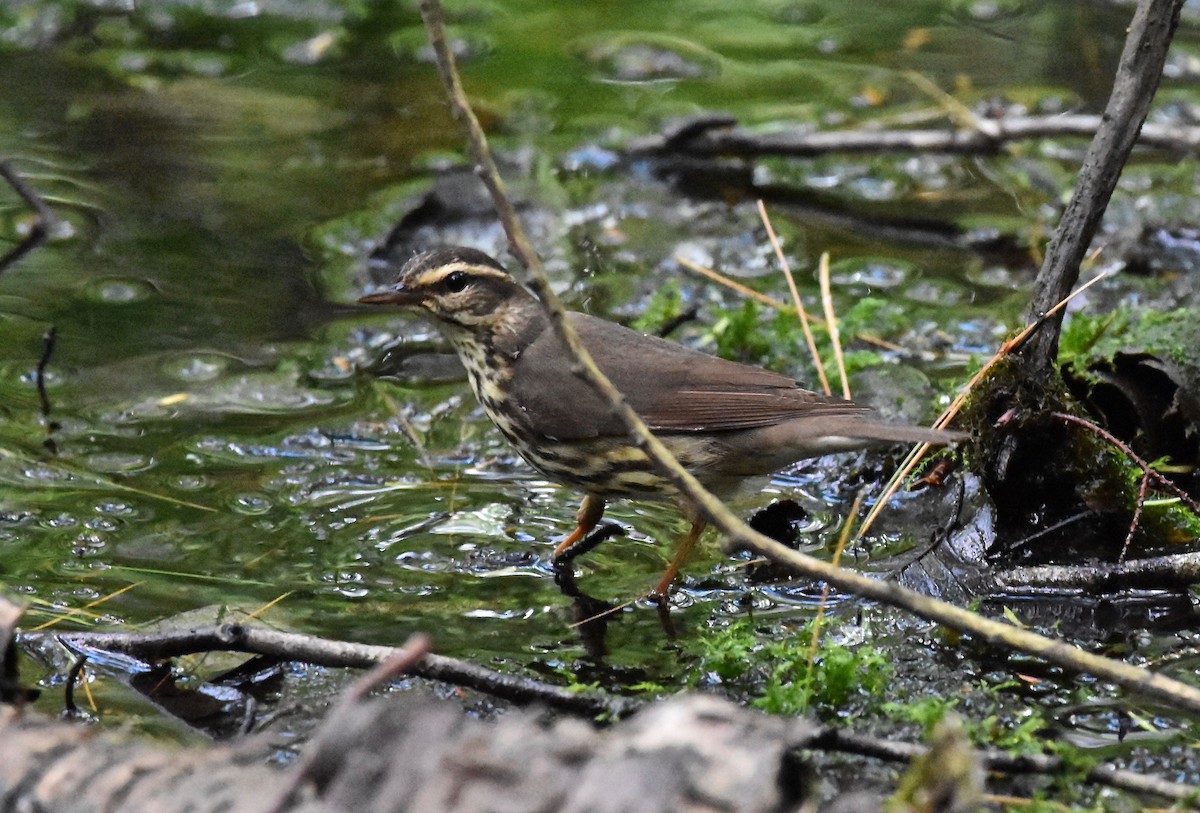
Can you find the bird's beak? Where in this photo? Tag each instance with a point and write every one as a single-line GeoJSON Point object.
{"type": "Point", "coordinates": [396, 295]}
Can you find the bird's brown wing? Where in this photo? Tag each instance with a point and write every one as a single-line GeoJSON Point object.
{"type": "Point", "coordinates": [672, 387]}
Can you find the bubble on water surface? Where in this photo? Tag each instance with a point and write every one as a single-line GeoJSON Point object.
{"type": "Point", "coordinates": [119, 290]}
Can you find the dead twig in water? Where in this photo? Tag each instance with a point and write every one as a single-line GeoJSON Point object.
{"type": "Point", "coordinates": [978, 137]}
{"type": "Point", "coordinates": [324, 652]}
{"type": "Point", "coordinates": [49, 343]}
{"type": "Point", "coordinates": [1178, 570]}
{"type": "Point", "coordinates": [44, 221]}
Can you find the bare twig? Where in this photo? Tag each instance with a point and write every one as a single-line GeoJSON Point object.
{"type": "Point", "coordinates": [74, 675]}
{"type": "Point", "coordinates": [734, 285]}
{"type": "Point", "coordinates": [835, 338]}
{"type": "Point", "coordinates": [981, 137]}
{"type": "Point", "coordinates": [49, 342]}
{"type": "Point", "coordinates": [1137, 514]}
{"type": "Point", "coordinates": [324, 652]}
{"type": "Point", "coordinates": [42, 225]}
{"type": "Point", "coordinates": [1161, 479]}
{"type": "Point", "coordinates": [403, 660]}
{"type": "Point", "coordinates": [833, 738]}
{"type": "Point", "coordinates": [737, 533]}
{"type": "Point", "coordinates": [1177, 570]}
{"type": "Point", "coordinates": [48, 345]}
{"type": "Point", "coordinates": [485, 165]}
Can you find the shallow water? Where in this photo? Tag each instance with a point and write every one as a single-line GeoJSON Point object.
{"type": "Point", "coordinates": [222, 172]}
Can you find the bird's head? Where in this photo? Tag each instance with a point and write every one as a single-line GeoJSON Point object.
{"type": "Point", "coordinates": [464, 288]}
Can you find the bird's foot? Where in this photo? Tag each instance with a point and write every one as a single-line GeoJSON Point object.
{"type": "Point", "coordinates": [588, 543]}
{"type": "Point", "coordinates": [659, 597]}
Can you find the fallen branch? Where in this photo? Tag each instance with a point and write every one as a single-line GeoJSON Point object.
{"type": "Point", "coordinates": [720, 138]}
{"type": "Point", "coordinates": [1176, 570]}
{"type": "Point", "coordinates": [43, 222]}
{"type": "Point", "coordinates": [832, 738]}
{"type": "Point", "coordinates": [289, 646]}
{"type": "Point", "coordinates": [386, 662]}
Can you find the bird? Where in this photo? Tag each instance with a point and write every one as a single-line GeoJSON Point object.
{"type": "Point", "coordinates": [725, 421]}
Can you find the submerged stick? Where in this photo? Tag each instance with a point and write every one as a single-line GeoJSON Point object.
{"type": "Point", "coordinates": [44, 220]}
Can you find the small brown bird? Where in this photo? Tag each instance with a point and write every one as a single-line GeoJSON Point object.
{"type": "Point", "coordinates": [723, 420]}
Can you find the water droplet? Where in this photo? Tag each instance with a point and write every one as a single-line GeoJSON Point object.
{"type": "Point", "coordinates": [102, 524]}
{"type": "Point", "coordinates": [200, 367]}
{"type": "Point", "coordinates": [115, 508]}
{"type": "Point", "coordinates": [190, 482]}
{"type": "Point", "coordinates": [61, 521]}
{"type": "Point", "coordinates": [119, 290]}
{"type": "Point", "coordinates": [251, 504]}
{"type": "Point", "coordinates": [116, 462]}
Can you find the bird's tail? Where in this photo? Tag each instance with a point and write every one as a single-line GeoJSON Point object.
{"type": "Point", "coordinates": [901, 433]}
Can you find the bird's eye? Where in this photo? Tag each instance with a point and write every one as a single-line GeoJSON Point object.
{"type": "Point", "coordinates": [455, 281]}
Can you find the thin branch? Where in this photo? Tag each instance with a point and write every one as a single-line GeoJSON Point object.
{"type": "Point", "coordinates": [832, 738]}
{"type": "Point", "coordinates": [1161, 479]}
{"type": "Point", "coordinates": [1137, 514]}
{"type": "Point", "coordinates": [1177, 570]}
{"type": "Point", "coordinates": [734, 285]}
{"type": "Point", "coordinates": [404, 660]}
{"type": "Point", "coordinates": [737, 533]}
{"type": "Point", "coordinates": [49, 343]}
{"type": "Point", "coordinates": [43, 223]}
{"type": "Point", "coordinates": [985, 137]}
{"type": "Point", "coordinates": [323, 652]}
{"type": "Point", "coordinates": [485, 165]}
{"type": "Point", "coordinates": [835, 337]}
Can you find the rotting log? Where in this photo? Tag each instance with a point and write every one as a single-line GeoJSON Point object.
{"type": "Point", "coordinates": [692, 753]}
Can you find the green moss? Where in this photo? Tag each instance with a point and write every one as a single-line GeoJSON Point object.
{"type": "Point", "coordinates": [875, 317]}
{"type": "Point", "coordinates": [1172, 335]}
{"type": "Point", "coordinates": [664, 306]}
{"type": "Point", "coordinates": [784, 677]}
{"type": "Point", "coordinates": [739, 334]}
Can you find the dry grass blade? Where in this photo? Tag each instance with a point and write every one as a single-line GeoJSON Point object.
{"type": "Point", "coordinates": [958, 111]}
{"type": "Point", "coordinates": [791, 281]}
{"type": "Point", "coordinates": [734, 285]}
{"type": "Point", "coordinates": [83, 611]}
{"type": "Point", "coordinates": [835, 338]}
{"type": "Point", "coordinates": [843, 539]}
